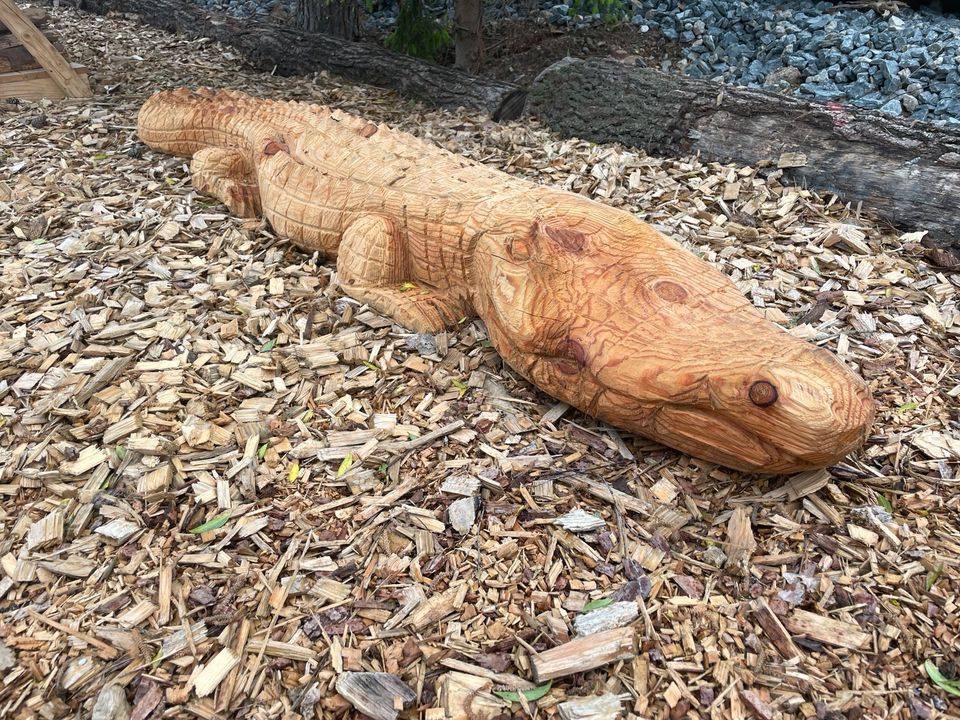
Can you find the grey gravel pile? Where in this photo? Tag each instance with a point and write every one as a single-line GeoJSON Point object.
{"type": "Point", "coordinates": [248, 8]}
{"type": "Point", "coordinates": [902, 64]}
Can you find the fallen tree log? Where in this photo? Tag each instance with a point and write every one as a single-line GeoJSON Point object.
{"type": "Point", "coordinates": [270, 45]}
{"type": "Point", "coordinates": [908, 172]}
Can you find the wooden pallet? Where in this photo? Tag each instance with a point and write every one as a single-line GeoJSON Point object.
{"type": "Point", "coordinates": [31, 62]}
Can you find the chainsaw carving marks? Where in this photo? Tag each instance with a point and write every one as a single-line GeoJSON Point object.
{"type": "Point", "coordinates": [589, 303]}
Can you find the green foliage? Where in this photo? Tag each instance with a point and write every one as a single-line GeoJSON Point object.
{"type": "Point", "coordinates": [531, 694]}
{"type": "Point", "coordinates": [884, 502]}
{"type": "Point", "coordinates": [610, 11]}
{"type": "Point", "coordinates": [933, 672]}
{"type": "Point", "coordinates": [597, 604]}
{"type": "Point", "coordinates": [417, 34]}
{"type": "Point", "coordinates": [218, 522]}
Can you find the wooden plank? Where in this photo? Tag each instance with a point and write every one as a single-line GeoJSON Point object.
{"type": "Point", "coordinates": [17, 58]}
{"type": "Point", "coordinates": [38, 16]}
{"type": "Point", "coordinates": [72, 83]}
{"type": "Point", "coordinates": [8, 41]}
{"type": "Point", "coordinates": [32, 84]}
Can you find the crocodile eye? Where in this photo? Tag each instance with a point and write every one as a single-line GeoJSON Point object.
{"type": "Point", "coordinates": [670, 291]}
{"type": "Point", "coordinates": [763, 393]}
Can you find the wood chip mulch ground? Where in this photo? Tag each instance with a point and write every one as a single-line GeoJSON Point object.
{"type": "Point", "coordinates": [226, 490]}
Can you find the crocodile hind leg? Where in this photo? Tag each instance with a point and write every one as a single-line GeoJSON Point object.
{"type": "Point", "coordinates": [373, 268]}
{"type": "Point", "coordinates": [226, 174]}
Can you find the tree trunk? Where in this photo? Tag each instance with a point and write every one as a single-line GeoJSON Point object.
{"type": "Point", "coordinates": [467, 36]}
{"type": "Point", "coordinates": [340, 18]}
{"type": "Point", "coordinates": [275, 47]}
{"type": "Point", "coordinates": [908, 172]}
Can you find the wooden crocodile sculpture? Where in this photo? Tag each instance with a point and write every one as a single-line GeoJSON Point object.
{"type": "Point", "coordinates": [586, 301]}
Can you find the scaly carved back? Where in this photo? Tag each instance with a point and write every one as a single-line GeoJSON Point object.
{"type": "Point", "coordinates": [586, 301]}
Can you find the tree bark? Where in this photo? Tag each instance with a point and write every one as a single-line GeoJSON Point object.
{"type": "Point", "coordinates": [467, 36]}
{"type": "Point", "coordinates": [339, 18]}
{"type": "Point", "coordinates": [275, 47]}
{"type": "Point", "coordinates": [908, 172]}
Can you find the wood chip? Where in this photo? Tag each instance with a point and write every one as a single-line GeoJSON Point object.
{"type": "Point", "coordinates": [826, 630]}
{"type": "Point", "coordinates": [214, 672]}
{"type": "Point", "coordinates": [775, 630]}
{"type": "Point", "coordinates": [584, 654]}
{"type": "Point", "coordinates": [600, 707]}
{"type": "Point", "coordinates": [111, 704]}
{"type": "Point", "coordinates": [118, 531]}
{"type": "Point", "coordinates": [614, 615]}
{"type": "Point", "coordinates": [760, 709]}
{"type": "Point", "coordinates": [46, 531]}
{"type": "Point", "coordinates": [466, 485]}
{"type": "Point", "coordinates": [740, 540]}
{"type": "Point", "coordinates": [578, 520]}
{"type": "Point", "coordinates": [468, 697]}
{"type": "Point", "coordinates": [462, 514]}
{"type": "Point", "coordinates": [375, 694]}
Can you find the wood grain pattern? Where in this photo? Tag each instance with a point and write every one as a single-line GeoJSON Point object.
{"type": "Point", "coordinates": [586, 301]}
{"type": "Point", "coordinates": [32, 84]}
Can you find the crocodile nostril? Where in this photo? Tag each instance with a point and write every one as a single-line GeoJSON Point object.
{"type": "Point", "coordinates": [763, 393]}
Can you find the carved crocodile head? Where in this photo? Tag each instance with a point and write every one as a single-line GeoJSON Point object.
{"type": "Point", "coordinates": [603, 312]}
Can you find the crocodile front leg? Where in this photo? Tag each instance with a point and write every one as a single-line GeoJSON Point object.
{"type": "Point", "coordinates": [373, 267]}
{"type": "Point", "coordinates": [226, 174]}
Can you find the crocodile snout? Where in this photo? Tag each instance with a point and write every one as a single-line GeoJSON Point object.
{"type": "Point", "coordinates": [807, 411]}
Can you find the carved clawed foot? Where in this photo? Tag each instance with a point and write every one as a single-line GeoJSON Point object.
{"type": "Point", "coordinates": [225, 174]}
{"type": "Point", "coordinates": [373, 268]}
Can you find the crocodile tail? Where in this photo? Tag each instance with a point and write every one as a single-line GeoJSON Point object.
{"type": "Point", "coordinates": [182, 121]}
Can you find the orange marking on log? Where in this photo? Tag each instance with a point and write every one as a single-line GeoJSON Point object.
{"type": "Point", "coordinates": [274, 146]}
{"type": "Point", "coordinates": [368, 130]}
{"type": "Point", "coordinates": [570, 240]}
{"type": "Point", "coordinates": [573, 358]}
{"type": "Point", "coordinates": [670, 291]}
{"type": "Point", "coordinates": [519, 249]}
